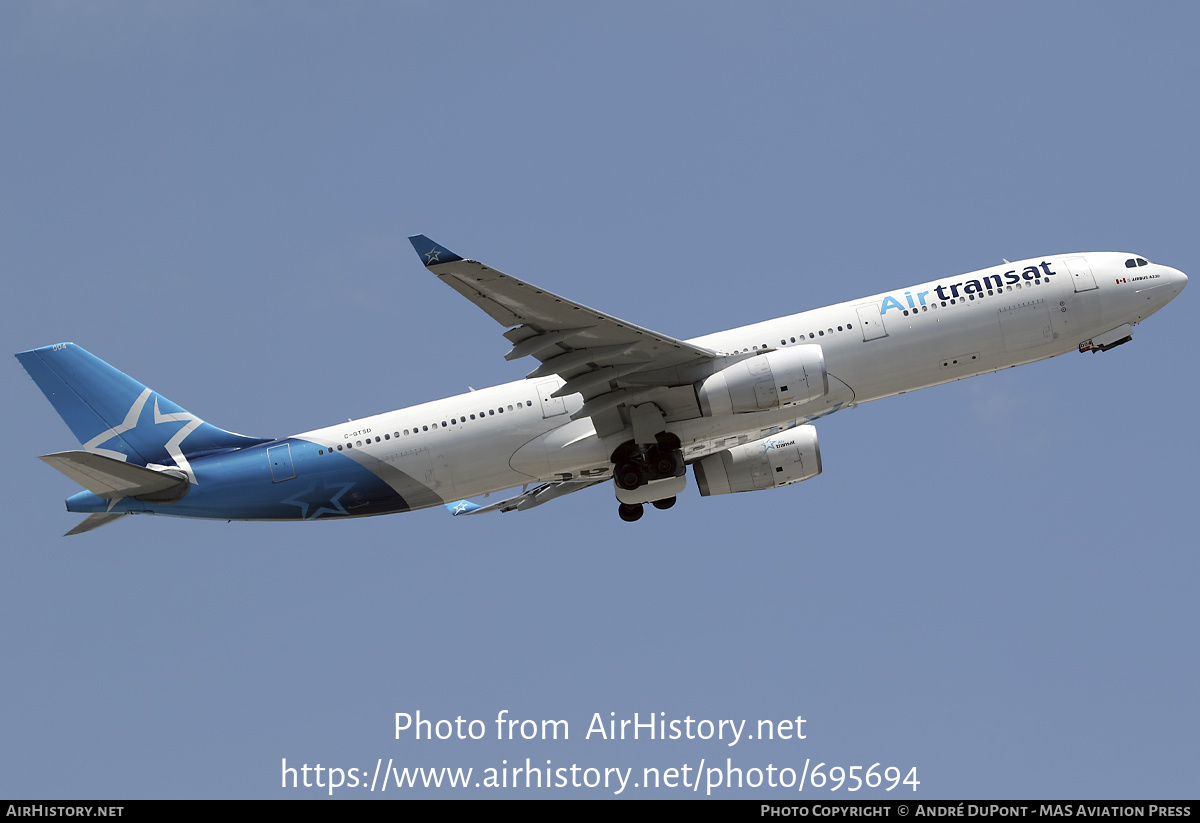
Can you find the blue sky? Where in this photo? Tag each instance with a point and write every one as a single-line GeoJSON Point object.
{"type": "Point", "coordinates": [992, 581]}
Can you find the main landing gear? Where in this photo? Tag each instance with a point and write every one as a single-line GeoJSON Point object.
{"type": "Point", "coordinates": [631, 512]}
{"type": "Point", "coordinates": [652, 474]}
{"type": "Point", "coordinates": [637, 466]}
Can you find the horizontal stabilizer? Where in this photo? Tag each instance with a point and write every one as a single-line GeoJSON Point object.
{"type": "Point", "coordinates": [94, 521]}
{"type": "Point", "coordinates": [114, 479]}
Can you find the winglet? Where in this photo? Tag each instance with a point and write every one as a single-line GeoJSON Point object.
{"type": "Point", "coordinates": [461, 507]}
{"type": "Point", "coordinates": [431, 253]}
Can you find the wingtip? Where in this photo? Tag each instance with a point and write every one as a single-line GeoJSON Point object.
{"type": "Point", "coordinates": [431, 253]}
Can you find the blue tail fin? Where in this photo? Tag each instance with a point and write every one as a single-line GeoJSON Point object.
{"type": "Point", "coordinates": [115, 415]}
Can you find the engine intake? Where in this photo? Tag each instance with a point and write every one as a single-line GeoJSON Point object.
{"type": "Point", "coordinates": [768, 463]}
{"type": "Point", "coordinates": [792, 375]}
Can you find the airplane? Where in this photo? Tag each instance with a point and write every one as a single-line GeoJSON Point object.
{"type": "Point", "coordinates": [607, 402]}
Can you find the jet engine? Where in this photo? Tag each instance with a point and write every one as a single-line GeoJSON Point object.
{"type": "Point", "coordinates": [792, 375]}
{"type": "Point", "coordinates": [773, 461]}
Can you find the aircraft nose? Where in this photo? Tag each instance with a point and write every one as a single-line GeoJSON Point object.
{"type": "Point", "coordinates": [1177, 279]}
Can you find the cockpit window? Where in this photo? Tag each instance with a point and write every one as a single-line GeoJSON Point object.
{"type": "Point", "coordinates": [1142, 262]}
{"type": "Point", "coordinates": [1130, 263]}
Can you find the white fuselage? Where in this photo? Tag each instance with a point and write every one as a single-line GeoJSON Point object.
{"type": "Point", "coordinates": [874, 347]}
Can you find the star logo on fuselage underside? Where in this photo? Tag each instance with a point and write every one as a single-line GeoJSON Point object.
{"type": "Point", "coordinates": [320, 498]}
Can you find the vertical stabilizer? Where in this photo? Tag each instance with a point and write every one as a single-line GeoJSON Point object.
{"type": "Point", "coordinates": [114, 415]}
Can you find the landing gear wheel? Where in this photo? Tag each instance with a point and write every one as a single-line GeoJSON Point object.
{"type": "Point", "coordinates": [664, 465]}
{"type": "Point", "coordinates": [664, 504]}
{"type": "Point", "coordinates": [630, 512]}
{"type": "Point", "coordinates": [629, 477]}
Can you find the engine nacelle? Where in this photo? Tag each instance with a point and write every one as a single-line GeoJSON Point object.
{"type": "Point", "coordinates": [778, 460]}
{"type": "Point", "coordinates": [792, 375]}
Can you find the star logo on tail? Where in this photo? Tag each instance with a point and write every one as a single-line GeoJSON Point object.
{"type": "Point", "coordinates": [133, 422]}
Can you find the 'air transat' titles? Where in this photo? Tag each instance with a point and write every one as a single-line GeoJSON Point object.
{"type": "Point", "coordinates": [994, 281]}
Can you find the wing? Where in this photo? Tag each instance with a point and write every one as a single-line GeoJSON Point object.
{"type": "Point", "coordinates": [526, 500]}
{"type": "Point", "coordinates": [612, 363]}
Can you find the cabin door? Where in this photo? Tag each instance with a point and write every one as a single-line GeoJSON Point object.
{"type": "Point", "coordinates": [280, 458]}
{"type": "Point", "coordinates": [551, 406]}
{"type": "Point", "coordinates": [871, 321]}
{"type": "Point", "coordinates": [1081, 274]}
